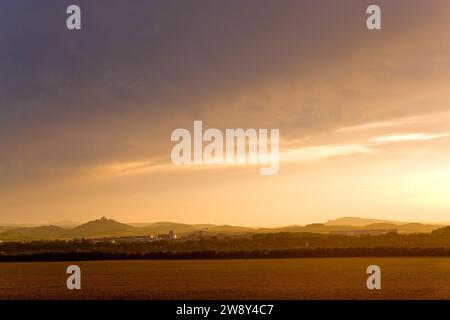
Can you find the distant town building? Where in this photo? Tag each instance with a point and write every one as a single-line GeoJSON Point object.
{"type": "Point", "coordinates": [373, 232]}
{"type": "Point", "coordinates": [125, 239]}
{"type": "Point", "coordinates": [197, 235]}
{"type": "Point", "coordinates": [167, 236]}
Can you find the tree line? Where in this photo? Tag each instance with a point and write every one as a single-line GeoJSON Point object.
{"type": "Point", "coordinates": [266, 245]}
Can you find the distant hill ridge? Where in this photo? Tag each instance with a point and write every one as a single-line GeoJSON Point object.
{"type": "Point", "coordinates": [360, 222]}
{"type": "Point", "coordinates": [104, 227]}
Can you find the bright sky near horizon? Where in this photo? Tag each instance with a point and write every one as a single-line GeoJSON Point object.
{"type": "Point", "coordinates": [86, 116]}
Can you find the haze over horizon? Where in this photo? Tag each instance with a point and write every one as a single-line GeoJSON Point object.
{"type": "Point", "coordinates": [86, 117]}
{"type": "Point", "coordinates": [350, 221]}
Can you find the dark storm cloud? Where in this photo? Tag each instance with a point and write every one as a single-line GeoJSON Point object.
{"type": "Point", "coordinates": [116, 88]}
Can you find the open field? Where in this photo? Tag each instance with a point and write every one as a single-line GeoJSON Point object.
{"type": "Point", "coordinates": [326, 278]}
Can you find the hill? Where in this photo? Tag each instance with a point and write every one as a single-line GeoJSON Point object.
{"type": "Point", "coordinates": [104, 227]}
{"type": "Point", "coordinates": [163, 227]}
{"type": "Point", "coordinates": [442, 232]}
{"type": "Point", "coordinates": [33, 233]}
{"type": "Point", "coordinates": [359, 222]}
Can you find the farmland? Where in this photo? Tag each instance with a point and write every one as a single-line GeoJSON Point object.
{"type": "Point", "coordinates": [319, 278]}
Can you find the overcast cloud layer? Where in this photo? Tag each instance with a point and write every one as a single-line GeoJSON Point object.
{"type": "Point", "coordinates": [74, 102]}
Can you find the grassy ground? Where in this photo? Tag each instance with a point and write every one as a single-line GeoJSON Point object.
{"type": "Point", "coordinates": [328, 278]}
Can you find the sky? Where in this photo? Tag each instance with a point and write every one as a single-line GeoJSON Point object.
{"type": "Point", "coordinates": [86, 116]}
